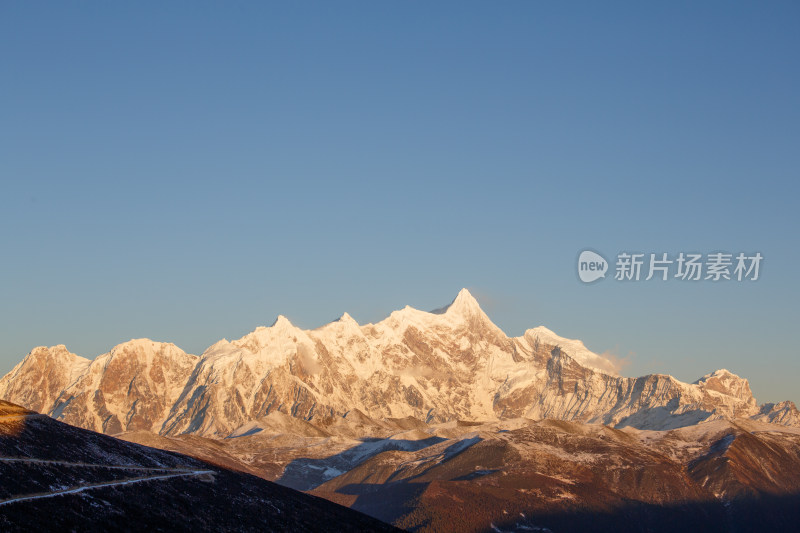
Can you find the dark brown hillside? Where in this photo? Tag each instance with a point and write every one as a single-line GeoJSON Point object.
{"type": "Point", "coordinates": [55, 477]}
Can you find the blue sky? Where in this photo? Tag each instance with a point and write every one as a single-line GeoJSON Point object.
{"type": "Point", "coordinates": [186, 172]}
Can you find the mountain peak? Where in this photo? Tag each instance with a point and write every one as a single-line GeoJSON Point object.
{"type": "Point", "coordinates": [464, 304]}
{"type": "Point", "coordinates": [134, 343]}
{"type": "Point", "coordinates": [344, 322]}
{"type": "Point", "coordinates": [145, 344]}
{"type": "Point", "coordinates": [574, 348]}
{"type": "Point", "coordinates": [722, 373]}
{"type": "Point", "coordinates": [144, 349]}
{"type": "Point", "coordinates": [726, 382]}
{"type": "Point", "coordinates": [57, 352]}
{"type": "Point", "coordinates": [282, 322]}
{"type": "Point", "coordinates": [346, 318]}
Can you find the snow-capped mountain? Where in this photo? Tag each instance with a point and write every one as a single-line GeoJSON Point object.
{"type": "Point", "coordinates": [40, 378]}
{"type": "Point", "coordinates": [132, 387]}
{"type": "Point", "coordinates": [452, 363]}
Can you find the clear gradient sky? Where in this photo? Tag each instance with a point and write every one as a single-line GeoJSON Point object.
{"type": "Point", "coordinates": [186, 172]}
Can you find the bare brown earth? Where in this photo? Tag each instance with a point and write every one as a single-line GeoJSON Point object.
{"type": "Point", "coordinates": [519, 475]}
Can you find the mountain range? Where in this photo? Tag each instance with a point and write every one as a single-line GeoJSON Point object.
{"type": "Point", "coordinates": [448, 364]}
{"type": "Point", "coordinates": [429, 421]}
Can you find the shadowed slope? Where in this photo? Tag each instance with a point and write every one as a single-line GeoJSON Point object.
{"type": "Point", "coordinates": [58, 477]}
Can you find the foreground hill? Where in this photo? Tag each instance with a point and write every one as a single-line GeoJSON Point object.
{"type": "Point", "coordinates": [526, 475]}
{"type": "Point", "coordinates": [55, 477]}
{"type": "Point", "coordinates": [449, 364]}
